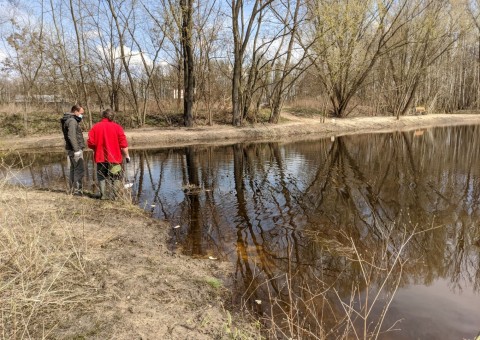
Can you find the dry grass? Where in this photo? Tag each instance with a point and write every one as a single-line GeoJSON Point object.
{"type": "Point", "coordinates": [309, 108]}
{"type": "Point", "coordinates": [12, 109]}
{"type": "Point", "coordinates": [42, 267]}
{"type": "Point", "coordinates": [77, 268]}
{"type": "Point", "coordinates": [311, 306]}
{"type": "Point", "coordinates": [14, 120]}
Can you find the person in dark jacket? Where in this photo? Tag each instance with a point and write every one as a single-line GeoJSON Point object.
{"type": "Point", "coordinates": [108, 142]}
{"type": "Point", "coordinates": [74, 145]}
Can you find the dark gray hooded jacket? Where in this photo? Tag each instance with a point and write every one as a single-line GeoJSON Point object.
{"type": "Point", "coordinates": [72, 132]}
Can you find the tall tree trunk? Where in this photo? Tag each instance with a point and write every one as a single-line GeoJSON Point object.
{"type": "Point", "coordinates": [237, 66]}
{"type": "Point", "coordinates": [179, 84]}
{"type": "Point", "coordinates": [278, 95]}
{"type": "Point", "coordinates": [188, 62]}
{"type": "Point", "coordinates": [236, 94]}
{"type": "Point", "coordinates": [242, 33]}
{"type": "Point", "coordinates": [80, 63]}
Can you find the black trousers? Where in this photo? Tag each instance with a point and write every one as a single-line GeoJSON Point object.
{"type": "Point", "coordinates": [103, 172]}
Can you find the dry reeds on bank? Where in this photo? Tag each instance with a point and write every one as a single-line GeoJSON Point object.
{"type": "Point", "coordinates": [42, 266]}
{"type": "Point", "coordinates": [352, 303]}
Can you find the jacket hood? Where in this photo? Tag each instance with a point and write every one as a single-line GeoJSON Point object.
{"type": "Point", "coordinates": [68, 115]}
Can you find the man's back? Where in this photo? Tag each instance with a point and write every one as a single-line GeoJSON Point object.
{"type": "Point", "coordinates": [107, 138]}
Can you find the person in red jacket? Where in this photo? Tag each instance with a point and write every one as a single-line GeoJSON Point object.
{"type": "Point", "coordinates": [109, 144]}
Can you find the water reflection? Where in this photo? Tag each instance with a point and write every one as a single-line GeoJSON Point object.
{"type": "Point", "coordinates": [318, 228]}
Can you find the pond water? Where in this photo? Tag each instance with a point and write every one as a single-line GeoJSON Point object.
{"type": "Point", "coordinates": [368, 233]}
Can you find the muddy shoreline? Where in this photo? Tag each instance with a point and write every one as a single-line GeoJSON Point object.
{"type": "Point", "coordinates": [294, 128]}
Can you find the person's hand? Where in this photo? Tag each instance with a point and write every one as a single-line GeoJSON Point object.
{"type": "Point", "coordinates": [77, 155]}
{"type": "Point", "coordinates": [127, 159]}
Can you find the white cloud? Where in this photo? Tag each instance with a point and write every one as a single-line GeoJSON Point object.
{"type": "Point", "coordinates": [133, 57]}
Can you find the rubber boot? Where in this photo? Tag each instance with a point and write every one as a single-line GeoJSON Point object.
{"type": "Point", "coordinates": [78, 189]}
{"type": "Point", "coordinates": [102, 185]}
{"type": "Point", "coordinates": [70, 189]}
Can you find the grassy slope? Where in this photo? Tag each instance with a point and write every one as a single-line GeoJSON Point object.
{"type": "Point", "coordinates": [79, 268]}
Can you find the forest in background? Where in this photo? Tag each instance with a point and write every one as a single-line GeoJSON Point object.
{"type": "Point", "coordinates": [195, 62]}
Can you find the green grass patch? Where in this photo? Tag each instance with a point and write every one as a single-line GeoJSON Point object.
{"type": "Point", "coordinates": [214, 283]}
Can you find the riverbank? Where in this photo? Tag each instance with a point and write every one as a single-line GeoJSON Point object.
{"type": "Point", "coordinates": [291, 128]}
{"type": "Point", "coordinates": [78, 268]}
{"type": "Point", "coordinates": [74, 267]}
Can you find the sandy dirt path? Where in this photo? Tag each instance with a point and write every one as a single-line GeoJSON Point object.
{"type": "Point", "coordinates": [294, 128]}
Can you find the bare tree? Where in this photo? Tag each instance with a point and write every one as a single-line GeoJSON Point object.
{"type": "Point", "coordinates": [122, 22]}
{"type": "Point", "coordinates": [157, 37]}
{"type": "Point", "coordinates": [106, 64]}
{"type": "Point", "coordinates": [78, 34]}
{"type": "Point", "coordinates": [171, 26]}
{"type": "Point", "coordinates": [60, 57]}
{"type": "Point", "coordinates": [394, 53]}
{"type": "Point", "coordinates": [473, 8]}
{"type": "Point", "coordinates": [242, 29]}
{"type": "Point", "coordinates": [27, 58]}
{"type": "Point", "coordinates": [420, 43]}
{"type": "Point", "coordinates": [291, 21]}
{"type": "Point", "coordinates": [350, 37]}
{"type": "Point", "coordinates": [188, 61]}
{"type": "Point", "coordinates": [207, 25]}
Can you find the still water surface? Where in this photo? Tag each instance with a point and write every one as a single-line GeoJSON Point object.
{"type": "Point", "coordinates": [315, 229]}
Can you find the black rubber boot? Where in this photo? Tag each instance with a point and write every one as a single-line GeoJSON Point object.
{"type": "Point", "coordinates": [102, 185]}
{"type": "Point", "coordinates": [78, 189]}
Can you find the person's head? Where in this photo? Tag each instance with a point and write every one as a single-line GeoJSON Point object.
{"type": "Point", "coordinates": [77, 110]}
{"type": "Point", "coordinates": [109, 114]}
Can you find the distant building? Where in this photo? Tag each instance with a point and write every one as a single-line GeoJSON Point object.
{"type": "Point", "coordinates": [39, 98]}
{"type": "Point", "coordinates": [175, 94]}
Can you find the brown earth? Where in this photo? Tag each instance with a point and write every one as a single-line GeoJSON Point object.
{"type": "Point", "coordinates": [291, 128]}
{"type": "Point", "coordinates": [123, 283]}
{"type": "Point", "coordinates": [129, 284]}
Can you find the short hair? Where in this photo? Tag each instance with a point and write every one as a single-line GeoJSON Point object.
{"type": "Point", "coordinates": [109, 114]}
{"type": "Point", "coordinates": [75, 108]}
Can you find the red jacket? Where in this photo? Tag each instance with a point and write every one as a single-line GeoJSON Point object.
{"type": "Point", "coordinates": [107, 139]}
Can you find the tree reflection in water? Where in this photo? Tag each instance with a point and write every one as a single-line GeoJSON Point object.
{"type": "Point", "coordinates": [316, 229]}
